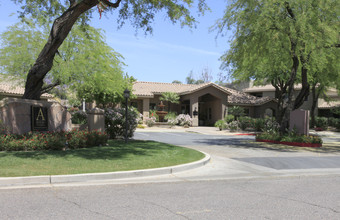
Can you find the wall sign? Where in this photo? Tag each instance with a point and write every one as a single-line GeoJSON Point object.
{"type": "Point", "coordinates": [39, 118]}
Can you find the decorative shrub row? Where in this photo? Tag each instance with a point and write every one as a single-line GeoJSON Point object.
{"type": "Point", "coordinates": [290, 137]}
{"type": "Point", "coordinates": [243, 123]}
{"type": "Point", "coordinates": [34, 141]}
{"type": "Point", "coordinates": [322, 123]}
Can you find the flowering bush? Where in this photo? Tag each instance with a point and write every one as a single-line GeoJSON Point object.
{"type": "Point", "coordinates": [150, 121]}
{"type": "Point", "coordinates": [245, 122]}
{"type": "Point", "coordinates": [115, 121]}
{"type": "Point", "coordinates": [184, 120]}
{"type": "Point", "coordinates": [33, 141]}
{"type": "Point", "coordinates": [233, 126]}
{"type": "Point", "coordinates": [270, 125]}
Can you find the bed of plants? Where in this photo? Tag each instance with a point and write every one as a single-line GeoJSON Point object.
{"type": "Point", "coordinates": [291, 138]}
{"type": "Point", "coordinates": [35, 141]}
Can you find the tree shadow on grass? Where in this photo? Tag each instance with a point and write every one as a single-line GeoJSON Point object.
{"type": "Point", "coordinates": [117, 149]}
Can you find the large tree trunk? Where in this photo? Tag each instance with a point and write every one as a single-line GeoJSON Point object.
{"type": "Point", "coordinates": [60, 29]}
{"type": "Point", "coordinates": [315, 95]}
{"type": "Point", "coordinates": [284, 125]}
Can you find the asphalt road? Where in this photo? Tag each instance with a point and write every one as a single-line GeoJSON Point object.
{"type": "Point", "coordinates": [240, 182]}
{"type": "Point", "coordinates": [266, 198]}
{"type": "Point", "coordinates": [239, 148]}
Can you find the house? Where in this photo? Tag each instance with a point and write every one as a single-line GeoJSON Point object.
{"type": "Point", "coordinates": [205, 103]}
{"type": "Point", "coordinates": [10, 89]}
{"type": "Point", "coordinates": [323, 107]}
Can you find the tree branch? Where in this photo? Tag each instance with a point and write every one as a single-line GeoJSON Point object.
{"type": "Point", "coordinates": [290, 11]}
{"type": "Point", "coordinates": [49, 87]}
{"type": "Point", "coordinates": [110, 4]}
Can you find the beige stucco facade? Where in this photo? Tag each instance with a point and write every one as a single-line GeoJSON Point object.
{"type": "Point", "coordinates": [208, 100]}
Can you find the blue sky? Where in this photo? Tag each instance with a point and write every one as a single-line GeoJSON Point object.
{"type": "Point", "coordinates": [170, 53]}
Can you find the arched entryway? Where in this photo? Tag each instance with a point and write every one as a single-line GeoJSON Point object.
{"type": "Point", "coordinates": [209, 110]}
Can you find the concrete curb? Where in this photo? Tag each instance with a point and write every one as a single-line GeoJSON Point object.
{"type": "Point", "coordinates": [57, 179]}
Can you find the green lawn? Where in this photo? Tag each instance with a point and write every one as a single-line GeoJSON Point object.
{"type": "Point", "coordinates": [118, 156]}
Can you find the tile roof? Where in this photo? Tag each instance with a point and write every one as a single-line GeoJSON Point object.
{"type": "Point", "coordinates": [155, 88]}
{"type": "Point", "coordinates": [149, 89]}
{"type": "Point", "coordinates": [9, 88]}
{"type": "Point", "coordinates": [266, 88]}
{"type": "Point", "coordinates": [329, 105]}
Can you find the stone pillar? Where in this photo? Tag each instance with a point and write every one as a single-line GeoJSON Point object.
{"type": "Point", "coordinates": [16, 115]}
{"type": "Point", "coordinates": [224, 108]}
{"type": "Point", "coordinates": [299, 119]}
{"type": "Point", "coordinates": [194, 106]}
{"type": "Point", "coordinates": [96, 119]}
{"type": "Point", "coordinates": [146, 108]}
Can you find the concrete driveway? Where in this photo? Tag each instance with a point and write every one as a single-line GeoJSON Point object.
{"type": "Point", "coordinates": [238, 155]}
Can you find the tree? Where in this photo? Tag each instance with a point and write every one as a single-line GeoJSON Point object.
{"type": "Point", "coordinates": [177, 82]}
{"type": "Point", "coordinates": [85, 65]}
{"type": "Point", "coordinates": [205, 77]}
{"type": "Point", "coordinates": [274, 41]}
{"type": "Point", "coordinates": [170, 97]}
{"type": "Point", "coordinates": [140, 12]}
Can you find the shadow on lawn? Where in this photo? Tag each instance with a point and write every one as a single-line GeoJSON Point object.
{"type": "Point", "coordinates": [251, 143]}
{"type": "Point", "coordinates": [117, 149]}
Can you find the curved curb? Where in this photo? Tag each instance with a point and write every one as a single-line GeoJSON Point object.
{"type": "Point", "coordinates": [56, 179]}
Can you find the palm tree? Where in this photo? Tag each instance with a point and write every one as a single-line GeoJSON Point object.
{"type": "Point", "coordinates": [170, 97]}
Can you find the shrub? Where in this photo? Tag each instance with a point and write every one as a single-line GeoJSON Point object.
{"type": "Point", "coordinates": [233, 126]}
{"type": "Point", "coordinates": [152, 113]}
{"type": "Point", "coordinates": [321, 122]}
{"type": "Point", "coordinates": [78, 117]}
{"type": "Point", "coordinates": [290, 137]}
{"type": "Point", "coordinates": [245, 122]}
{"type": "Point", "coordinates": [333, 121]}
{"type": "Point", "coordinates": [150, 121]}
{"type": "Point", "coordinates": [270, 125]}
{"type": "Point", "coordinates": [259, 124]}
{"type": "Point", "coordinates": [184, 120]}
{"type": "Point", "coordinates": [221, 124]}
{"type": "Point", "coordinates": [34, 141]}
{"type": "Point", "coordinates": [140, 126]}
{"type": "Point", "coordinates": [171, 118]}
{"type": "Point", "coordinates": [229, 118]}
{"type": "Point", "coordinates": [139, 118]}
{"type": "Point", "coordinates": [115, 122]}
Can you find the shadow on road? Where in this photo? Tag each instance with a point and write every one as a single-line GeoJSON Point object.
{"type": "Point", "coordinates": [252, 144]}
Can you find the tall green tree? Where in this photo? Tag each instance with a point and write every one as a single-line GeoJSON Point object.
{"type": "Point", "coordinates": [84, 62]}
{"type": "Point", "coordinates": [65, 14]}
{"type": "Point", "coordinates": [170, 97]}
{"type": "Point", "coordinates": [274, 41]}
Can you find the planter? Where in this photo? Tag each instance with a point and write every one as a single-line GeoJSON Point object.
{"type": "Point", "coordinates": [297, 144]}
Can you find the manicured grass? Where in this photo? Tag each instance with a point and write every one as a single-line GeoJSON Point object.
{"type": "Point", "coordinates": [118, 156]}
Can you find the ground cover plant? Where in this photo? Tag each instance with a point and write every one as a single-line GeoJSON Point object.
{"type": "Point", "coordinates": [289, 137]}
{"type": "Point", "coordinates": [35, 141]}
{"type": "Point", "coordinates": [117, 156]}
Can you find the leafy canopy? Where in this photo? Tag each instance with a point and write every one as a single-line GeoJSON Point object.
{"type": "Point", "coordinates": [140, 13]}
{"type": "Point", "coordinates": [85, 65]}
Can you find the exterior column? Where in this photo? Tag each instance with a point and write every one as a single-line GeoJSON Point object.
{"type": "Point", "coordinates": [193, 106]}
{"type": "Point", "coordinates": [224, 105]}
{"type": "Point", "coordinates": [146, 108]}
